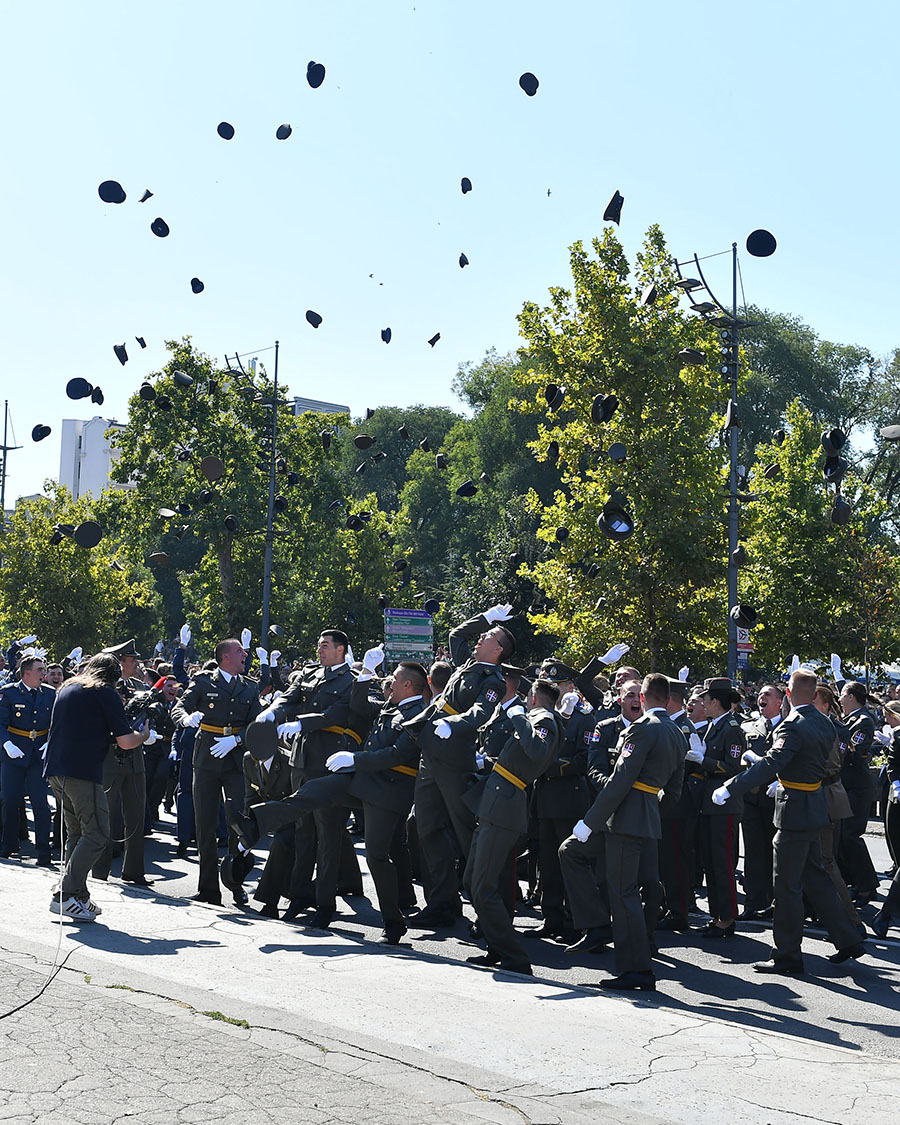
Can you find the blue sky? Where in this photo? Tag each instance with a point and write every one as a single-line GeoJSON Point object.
{"type": "Point", "coordinates": [711, 120]}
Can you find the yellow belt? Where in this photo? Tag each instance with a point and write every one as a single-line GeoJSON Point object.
{"type": "Point", "coordinates": [408, 770]}
{"type": "Point", "coordinates": [700, 776]}
{"type": "Point", "coordinates": [346, 730]}
{"type": "Point", "coordinates": [446, 708]}
{"type": "Point", "coordinates": [803, 786]}
{"type": "Point", "coordinates": [654, 789]}
{"type": "Point", "coordinates": [517, 781]}
{"type": "Point", "coordinates": [221, 730]}
{"type": "Point", "coordinates": [32, 734]}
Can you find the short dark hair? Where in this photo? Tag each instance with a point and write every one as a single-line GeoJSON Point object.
{"type": "Point", "coordinates": [656, 687]}
{"type": "Point", "coordinates": [507, 643]}
{"type": "Point", "coordinates": [415, 673]}
{"type": "Point", "coordinates": [857, 690]}
{"type": "Point", "coordinates": [338, 636]}
{"type": "Point", "coordinates": [223, 646]}
{"type": "Point", "coordinates": [547, 692]}
{"type": "Point", "coordinates": [440, 673]}
{"type": "Point", "coordinates": [29, 662]}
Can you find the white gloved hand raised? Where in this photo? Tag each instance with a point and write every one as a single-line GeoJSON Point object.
{"type": "Point", "coordinates": [286, 730]}
{"type": "Point", "coordinates": [442, 728]}
{"type": "Point", "coordinates": [350, 658]}
{"type": "Point", "coordinates": [683, 673]}
{"type": "Point", "coordinates": [720, 795]}
{"type": "Point", "coordinates": [615, 654]}
{"type": "Point", "coordinates": [29, 640]}
{"type": "Point", "coordinates": [173, 755]}
{"type": "Point", "coordinates": [836, 666]}
{"type": "Point", "coordinates": [152, 737]}
{"type": "Point", "coordinates": [192, 720]}
{"type": "Point", "coordinates": [223, 746]}
{"type": "Point", "coordinates": [262, 656]}
{"type": "Point", "coordinates": [882, 737]}
{"type": "Point", "coordinates": [502, 611]}
{"type": "Point", "coordinates": [694, 755]}
{"type": "Point", "coordinates": [185, 635]}
{"type": "Point", "coordinates": [76, 654]}
{"type": "Point", "coordinates": [342, 760]}
{"type": "Point", "coordinates": [274, 657]}
{"type": "Point", "coordinates": [567, 704]}
{"type": "Point", "coordinates": [12, 751]}
{"type": "Point", "coordinates": [773, 788]}
{"type": "Point", "coordinates": [373, 658]}
{"type": "Point", "coordinates": [246, 638]}
{"type": "Point", "coordinates": [582, 832]}
{"type": "Point", "coordinates": [795, 664]}
{"type": "Point", "coordinates": [515, 709]}
{"type": "Point", "coordinates": [750, 758]}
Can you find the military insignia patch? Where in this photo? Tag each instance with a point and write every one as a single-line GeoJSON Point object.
{"type": "Point", "coordinates": [857, 738]}
{"type": "Point", "coordinates": [626, 749]}
{"type": "Point", "coordinates": [736, 751]}
{"type": "Point", "coordinates": [588, 738]}
{"type": "Point", "coordinates": [541, 732]}
{"type": "Point", "coordinates": [491, 696]}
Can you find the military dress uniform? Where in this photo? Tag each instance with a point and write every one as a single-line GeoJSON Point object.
{"type": "Point", "coordinates": [758, 824]}
{"type": "Point", "coordinates": [724, 744]}
{"type": "Point", "coordinates": [853, 855]}
{"type": "Point", "coordinates": [798, 758]}
{"type": "Point", "coordinates": [25, 722]}
{"type": "Point", "coordinates": [502, 810]}
{"type": "Point", "coordinates": [650, 760]}
{"type": "Point", "coordinates": [838, 810]}
{"type": "Point", "coordinates": [448, 765]}
{"type": "Point", "coordinates": [320, 699]}
{"type": "Point", "coordinates": [125, 781]}
{"type": "Point", "coordinates": [492, 737]}
{"type": "Point", "coordinates": [677, 847]}
{"type": "Point", "coordinates": [271, 782]}
{"type": "Point", "coordinates": [156, 757]}
{"type": "Point", "coordinates": [228, 705]}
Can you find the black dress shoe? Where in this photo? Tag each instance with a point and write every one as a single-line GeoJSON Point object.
{"type": "Point", "coordinates": [523, 968]}
{"type": "Point", "coordinates": [779, 968]}
{"type": "Point", "coordinates": [483, 959]}
{"type": "Point", "coordinates": [863, 898]}
{"type": "Point", "coordinates": [244, 827]}
{"type": "Point", "coordinates": [240, 897]}
{"type": "Point", "coordinates": [392, 933]}
{"type": "Point", "coordinates": [319, 920]}
{"type": "Point", "coordinates": [630, 982]}
{"type": "Point", "coordinates": [139, 882]}
{"type": "Point", "coordinates": [595, 940]}
{"type": "Point", "coordinates": [545, 931]}
{"type": "Point", "coordinates": [268, 910]}
{"type": "Point", "coordinates": [211, 899]}
{"type": "Point", "coordinates": [716, 933]}
{"type": "Point", "coordinates": [429, 919]}
{"type": "Point", "coordinates": [295, 908]}
{"type": "Point", "coordinates": [755, 915]}
{"type": "Point", "coordinates": [881, 923]}
{"type": "Point", "coordinates": [673, 922]}
{"type": "Point", "coordinates": [45, 861]}
{"type": "Point", "coordinates": [850, 952]}
{"type": "Point", "coordinates": [181, 851]}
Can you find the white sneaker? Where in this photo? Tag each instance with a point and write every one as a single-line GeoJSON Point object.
{"type": "Point", "coordinates": [72, 908]}
{"type": "Point", "coordinates": [93, 907]}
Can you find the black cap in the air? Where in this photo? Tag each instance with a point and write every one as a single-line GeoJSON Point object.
{"type": "Point", "coordinates": [97, 396]}
{"type": "Point", "coordinates": [283, 132]}
{"type": "Point", "coordinates": [326, 436]}
{"type": "Point", "coordinates": [363, 441]}
{"type": "Point", "coordinates": [425, 445]}
{"type": "Point", "coordinates": [529, 83]}
{"type": "Point", "coordinates": [148, 194]}
{"type": "Point", "coordinates": [440, 461]}
{"type": "Point", "coordinates": [618, 454]}
{"type": "Point", "coordinates": [78, 388]}
{"type": "Point", "coordinates": [649, 295]}
{"type": "Point", "coordinates": [386, 335]}
{"type": "Point", "coordinates": [225, 130]}
{"type": "Point", "coordinates": [463, 261]}
{"type": "Point", "coordinates": [603, 407]}
{"type": "Point", "coordinates": [315, 74]}
{"type": "Point", "coordinates": [833, 441]}
{"type": "Point", "coordinates": [434, 339]}
{"type": "Point", "coordinates": [744, 615]}
{"type": "Point", "coordinates": [691, 356]}
{"type": "Point", "coordinates": [231, 523]}
{"type": "Point", "coordinates": [159, 558]}
{"type": "Point", "coordinates": [554, 396]}
{"type": "Point", "coordinates": [87, 534]}
{"type": "Point", "coordinates": [141, 341]}
{"type": "Point", "coordinates": [467, 488]}
{"type": "Point", "coordinates": [400, 565]}
{"type": "Point", "coordinates": [121, 353]}
{"type": "Point", "coordinates": [840, 511]}
{"type": "Point", "coordinates": [613, 212]}
{"type": "Point", "coordinates": [553, 452]}
{"type": "Point", "coordinates": [197, 285]}
{"type": "Point", "coordinates": [313, 318]}
{"type": "Point", "coordinates": [403, 433]}
{"type": "Point", "coordinates": [354, 523]}
{"type": "Point", "coordinates": [111, 191]}
{"type": "Point", "coordinates": [160, 227]}
{"type": "Point", "coordinates": [466, 184]}
{"type": "Point", "coordinates": [163, 402]}
{"type": "Point", "coordinates": [761, 243]}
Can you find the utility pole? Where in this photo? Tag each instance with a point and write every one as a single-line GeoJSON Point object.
{"type": "Point", "coordinates": [270, 534]}
{"type": "Point", "coordinates": [5, 449]}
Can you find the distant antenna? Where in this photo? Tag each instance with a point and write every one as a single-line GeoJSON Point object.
{"type": "Point", "coordinates": [5, 450]}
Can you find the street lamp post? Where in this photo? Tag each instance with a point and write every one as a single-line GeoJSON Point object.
{"type": "Point", "coordinates": [270, 517]}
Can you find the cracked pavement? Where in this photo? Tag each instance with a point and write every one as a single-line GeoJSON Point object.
{"type": "Point", "coordinates": [340, 1027]}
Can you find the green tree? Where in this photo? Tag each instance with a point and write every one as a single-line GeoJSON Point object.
{"type": "Point", "coordinates": [64, 593]}
{"type": "Point", "coordinates": [659, 586]}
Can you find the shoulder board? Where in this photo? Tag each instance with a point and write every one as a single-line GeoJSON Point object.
{"type": "Point", "coordinates": [733, 723]}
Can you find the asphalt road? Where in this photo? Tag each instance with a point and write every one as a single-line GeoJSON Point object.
{"type": "Point", "coordinates": [852, 1005]}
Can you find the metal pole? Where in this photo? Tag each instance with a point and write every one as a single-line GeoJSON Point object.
{"type": "Point", "coordinates": [5, 455]}
{"type": "Point", "coordinates": [267, 570]}
{"type": "Point", "coordinates": [733, 480]}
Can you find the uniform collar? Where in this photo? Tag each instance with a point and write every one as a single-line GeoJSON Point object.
{"type": "Point", "coordinates": [226, 676]}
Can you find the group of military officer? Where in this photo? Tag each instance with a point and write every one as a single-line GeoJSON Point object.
{"type": "Point", "coordinates": [623, 797]}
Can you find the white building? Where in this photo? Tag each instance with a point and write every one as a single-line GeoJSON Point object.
{"type": "Point", "coordinates": [85, 456]}
{"type": "Point", "coordinates": [301, 405]}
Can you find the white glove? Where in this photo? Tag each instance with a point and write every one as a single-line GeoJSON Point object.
{"type": "Point", "coordinates": [13, 751]}
{"type": "Point", "coordinates": [479, 761]}
{"type": "Point", "coordinates": [29, 640]}
{"type": "Point", "coordinates": [442, 728]}
{"type": "Point", "coordinates": [795, 664]}
{"type": "Point", "coordinates": [75, 654]}
{"type": "Point", "coordinates": [267, 716]}
{"type": "Point", "coordinates": [43, 750]}
{"type": "Point", "coordinates": [192, 720]}
{"type": "Point", "coordinates": [185, 635]}
{"type": "Point", "coordinates": [223, 746]}
{"type": "Point", "coordinates": [773, 788]}
{"type": "Point", "coordinates": [287, 729]}
{"type": "Point", "coordinates": [373, 658]}
{"type": "Point", "coordinates": [694, 755]}
{"type": "Point", "coordinates": [882, 737]}
{"type": "Point", "coordinates": [342, 760]}
{"type": "Point", "coordinates": [350, 658]}
{"type": "Point", "coordinates": [173, 755]}
{"type": "Point", "coordinates": [152, 737]}
{"type": "Point", "coordinates": [515, 709]}
{"type": "Point", "coordinates": [246, 638]}
{"type": "Point", "coordinates": [895, 790]}
{"type": "Point", "coordinates": [750, 758]}
{"type": "Point", "coordinates": [40, 652]}
{"type": "Point", "coordinates": [567, 704]}
{"type": "Point", "coordinates": [273, 658]}
{"type": "Point", "coordinates": [499, 612]}
{"type": "Point", "coordinates": [262, 656]}
{"type": "Point", "coordinates": [615, 654]}
{"type": "Point", "coordinates": [720, 795]}
{"type": "Point", "coordinates": [683, 673]}
{"type": "Point", "coordinates": [581, 831]}
{"type": "Point", "coordinates": [836, 666]}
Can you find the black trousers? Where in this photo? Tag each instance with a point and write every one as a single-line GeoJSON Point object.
{"type": "Point", "coordinates": [677, 863]}
{"type": "Point", "coordinates": [124, 781]}
{"type": "Point", "coordinates": [584, 872]}
{"type": "Point", "coordinates": [853, 855]}
{"type": "Point", "coordinates": [716, 834]}
{"type": "Point", "coordinates": [487, 868]}
{"type": "Point", "coordinates": [552, 831]}
{"type": "Point", "coordinates": [635, 895]}
{"type": "Point", "coordinates": [209, 787]}
{"type": "Point", "coordinates": [445, 827]}
{"type": "Point", "coordinates": [758, 830]}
